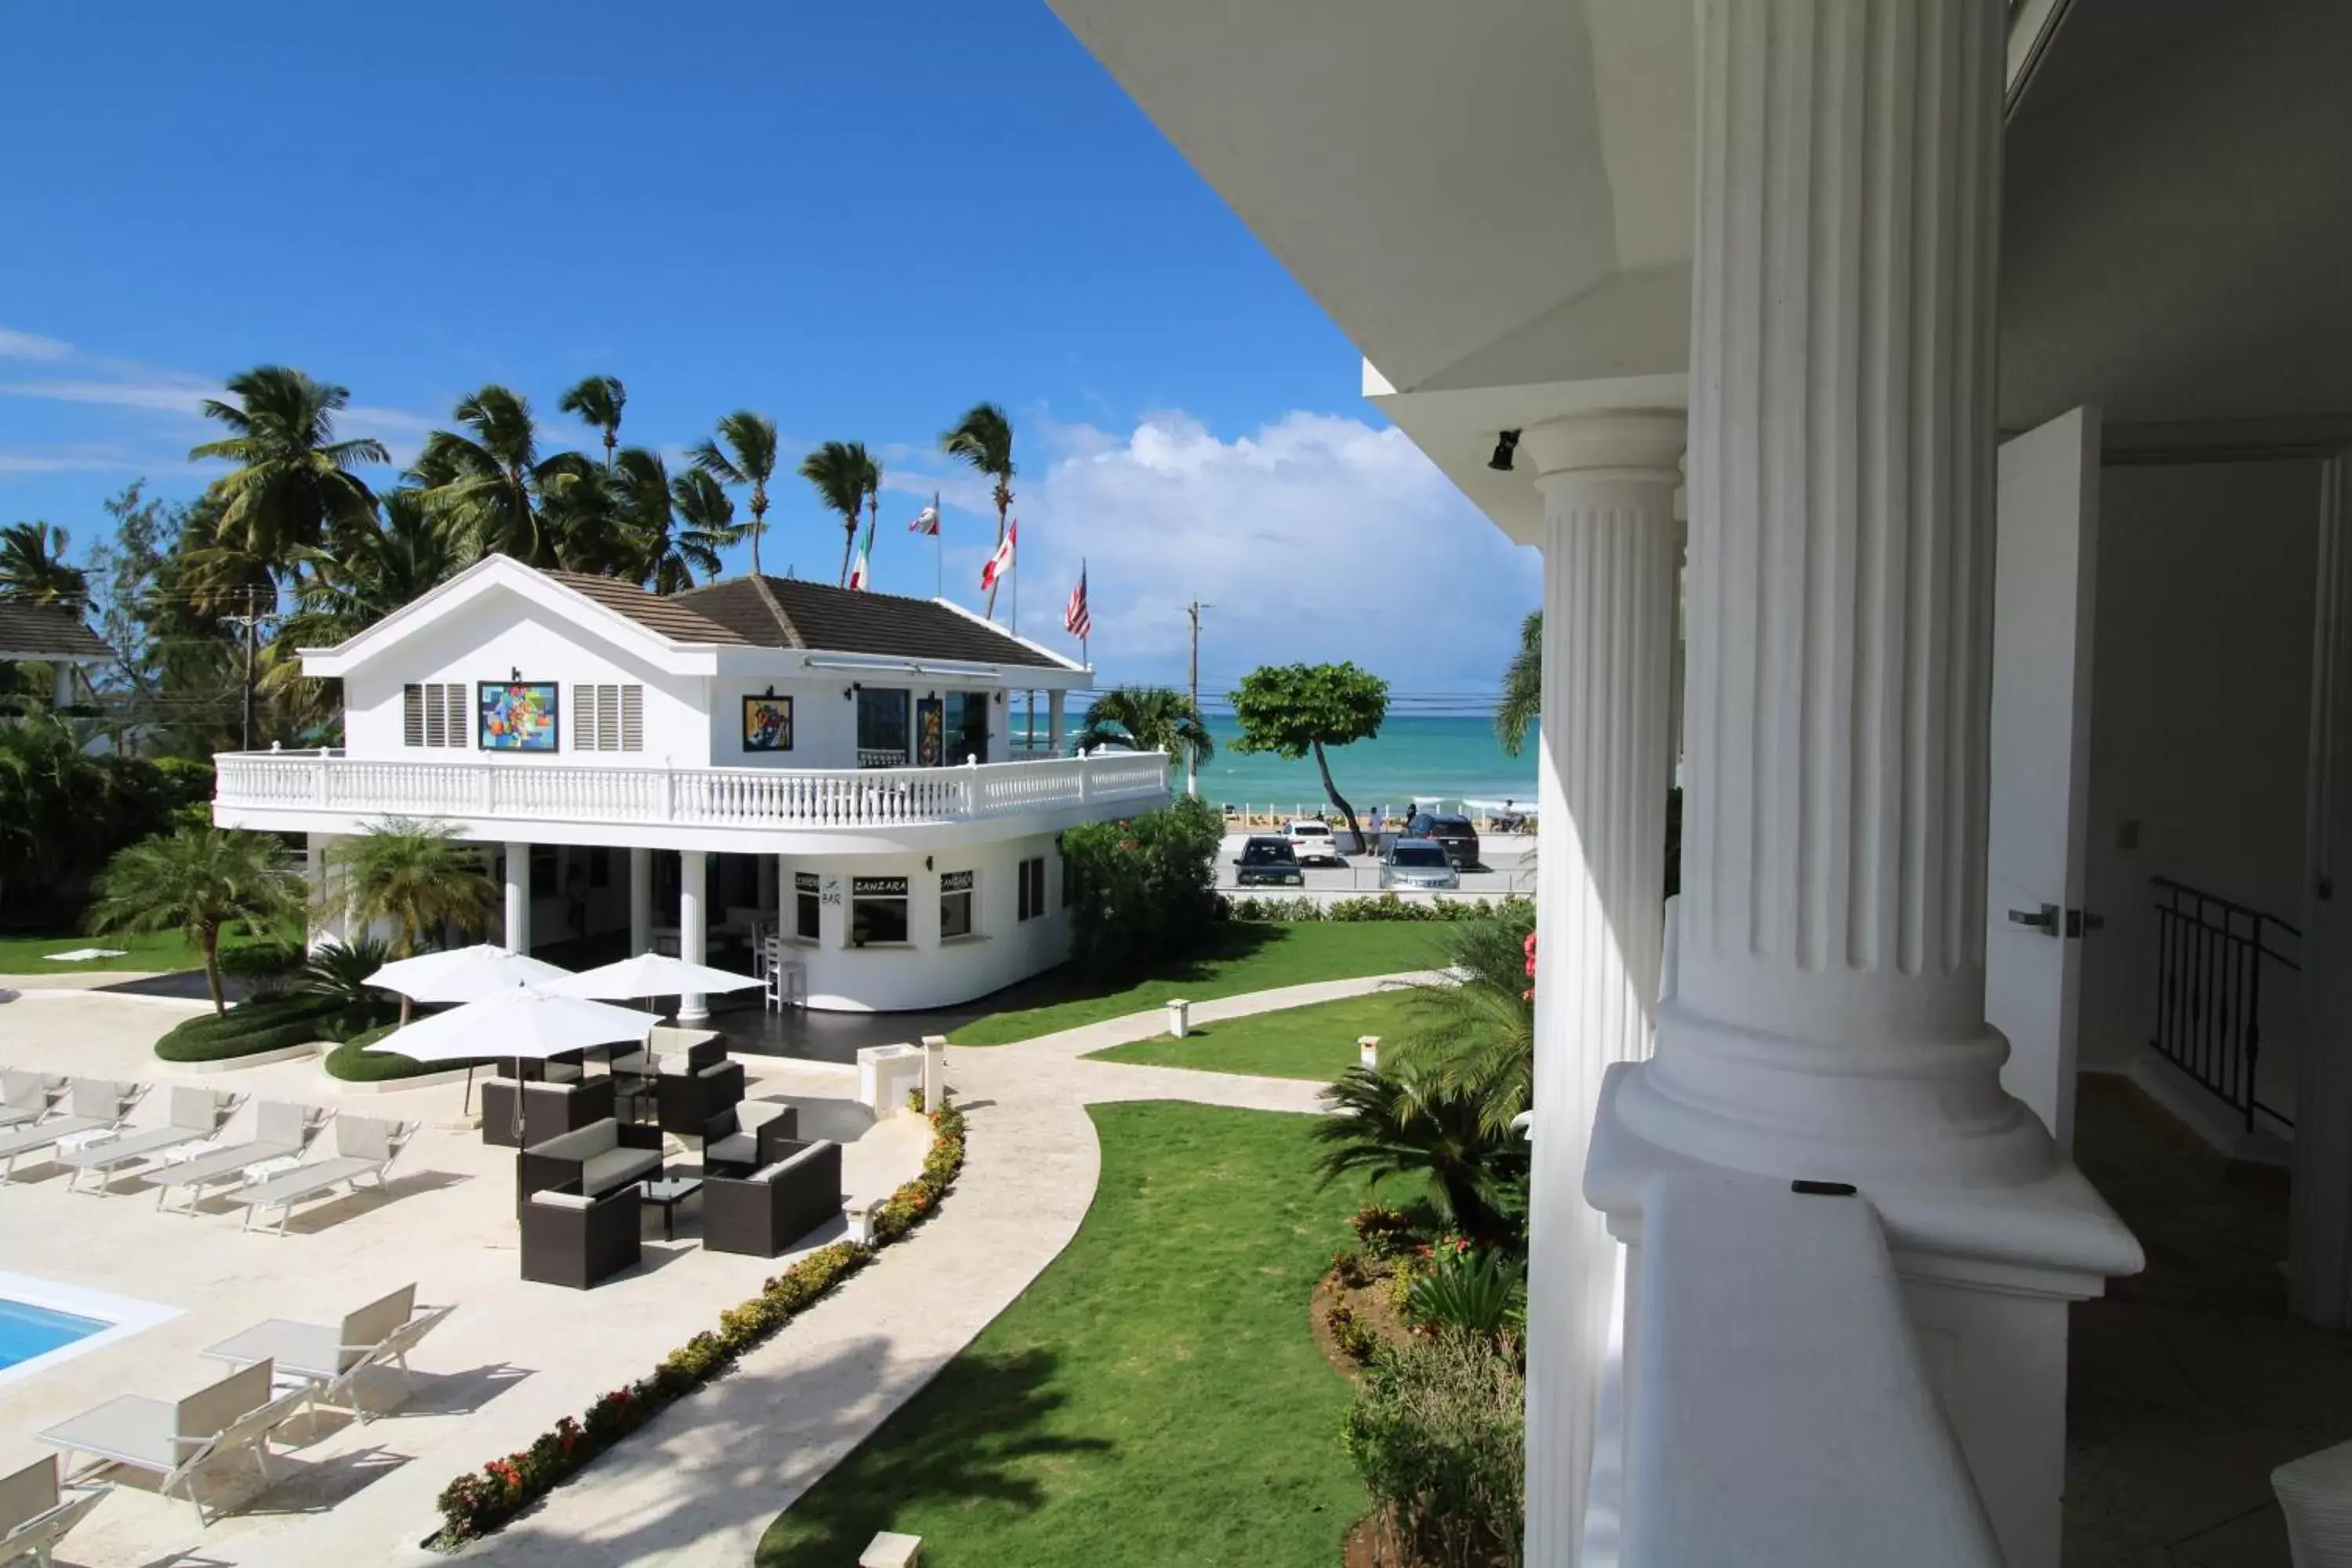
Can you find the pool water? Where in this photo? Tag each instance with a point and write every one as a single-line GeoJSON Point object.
{"type": "Point", "coordinates": [27, 1331]}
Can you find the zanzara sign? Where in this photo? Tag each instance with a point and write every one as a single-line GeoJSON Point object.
{"type": "Point", "coordinates": [955, 882]}
{"type": "Point", "coordinates": [878, 886]}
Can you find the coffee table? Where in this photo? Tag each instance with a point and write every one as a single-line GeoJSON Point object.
{"type": "Point", "coordinates": [666, 1193]}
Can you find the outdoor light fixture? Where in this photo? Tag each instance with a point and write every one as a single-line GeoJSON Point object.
{"type": "Point", "coordinates": [1506, 446]}
{"type": "Point", "coordinates": [772, 690]}
{"type": "Point", "coordinates": [514, 674]}
{"type": "Point", "coordinates": [926, 862]}
{"type": "Point", "coordinates": [1000, 700]}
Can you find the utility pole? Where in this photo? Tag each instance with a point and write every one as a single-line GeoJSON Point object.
{"type": "Point", "coordinates": [1191, 762]}
{"type": "Point", "coordinates": [250, 621]}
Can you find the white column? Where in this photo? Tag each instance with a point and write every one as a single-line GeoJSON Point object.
{"type": "Point", "coordinates": [1608, 481]}
{"type": "Point", "coordinates": [1828, 1014]}
{"type": "Point", "coordinates": [518, 928]}
{"type": "Point", "coordinates": [62, 692]}
{"type": "Point", "coordinates": [641, 901]}
{"type": "Point", "coordinates": [317, 921]}
{"type": "Point", "coordinates": [692, 927]}
{"type": "Point", "coordinates": [1055, 701]}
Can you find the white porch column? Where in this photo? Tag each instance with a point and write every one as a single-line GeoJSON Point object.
{"type": "Point", "coordinates": [1825, 1017]}
{"type": "Point", "coordinates": [62, 688]}
{"type": "Point", "coordinates": [641, 901]}
{"type": "Point", "coordinates": [1055, 702]}
{"type": "Point", "coordinates": [1608, 481]}
{"type": "Point", "coordinates": [693, 927]}
{"type": "Point", "coordinates": [518, 928]}
{"type": "Point", "coordinates": [318, 921]}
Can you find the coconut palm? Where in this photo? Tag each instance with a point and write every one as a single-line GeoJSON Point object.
{"type": "Point", "coordinates": [842, 474]}
{"type": "Point", "coordinates": [33, 569]}
{"type": "Point", "coordinates": [1522, 701]}
{"type": "Point", "coordinates": [660, 542]}
{"type": "Point", "coordinates": [598, 401]}
{"type": "Point", "coordinates": [343, 592]}
{"type": "Point", "coordinates": [707, 513]}
{"type": "Point", "coordinates": [489, 478]}
{"type": "Point", "coordinates": [198, 880]}
{"type": "Point", "coordinates": [748, 458]}
{"type": "Point", "coordinates": [417, 876]}
{"type": "Point", "coordinates": [1148, 718]}
{"type": "Point", "coordinates": [983, 439]}
{"type": "Point", "coordinates": [293, 481]}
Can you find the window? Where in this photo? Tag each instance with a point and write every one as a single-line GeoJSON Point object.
{"type": "Point", "coordinates": [807, 900]}
{"type": "Point", "coordinates": [608, 718]}
{"type": "Point", "coordinates": [878, 910]}
{"type": "Point", "coordinates": [955, 904]}
{"type": "Point", "coordinates": [433, 714]}
{"type": "Point", "coordinates": [967, 727]}
{"type": "Point", "coordinates": [881, 727]}
{"type": "Point", "coordinates": [1033, 887]}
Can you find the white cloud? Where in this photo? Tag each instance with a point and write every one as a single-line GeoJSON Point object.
{"type": "Point", "coordinates": [58, 461]}
{"type": "Point", "coordinates": [170, 393]}
{"type": "Point", "coordinates": [29, 345]}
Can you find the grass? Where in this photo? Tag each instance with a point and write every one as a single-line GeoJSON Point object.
{"type": "Point", "coordinates": [1317, 1042]}
{"type": "Point", "coordinates": [1240, 956]}
{"type": "Point", "coordinates": [148, 953]}
{"type": "Point", "coordinates": [1155, 1396]}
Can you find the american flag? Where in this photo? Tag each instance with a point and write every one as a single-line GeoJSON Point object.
{"type": "Point", "coordinates": [1079, 620]}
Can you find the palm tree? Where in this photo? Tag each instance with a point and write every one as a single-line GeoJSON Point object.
{"type": "Point", "coordinates": [842, 474]}
{"type": "Point", "coordinates": [1408, 1123]}
{"type": "Point", "coordinates": [33, 569]}
{"type": "Point", "coordinates": [490, 478]}
{"type": "Point", "coordinates": [598, 401]}
{"type": "Point", "coordinates": [665, 532]}
{"type": "Point", "coordinates": [419, 876]}
{"type": "Point", "coordinates": [198, 880]}
{"type": "Point", "coordinates": [983, 439]}
{"type": "Point", "coordinates": [293, 480]}
{"type": "Point", "coordinates": [345, 591]}
{"type": "Point", "coordinates": [1522, 701]}
{"type": "Point", "coordinates": [708, 512]}
{"type": "Point", "coordinates": [749, 458]}
{"type": "Point", "coordinates": [1148, 718]}
{"type": "Point", "coordinates": [1475, 1031]}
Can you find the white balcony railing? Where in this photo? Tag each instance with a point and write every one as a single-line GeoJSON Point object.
{"type": "Point", "coordinates": [725, 797]}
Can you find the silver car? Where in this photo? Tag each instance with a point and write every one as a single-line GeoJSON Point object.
{"type": "Point", "coordinates": [1418, 863]}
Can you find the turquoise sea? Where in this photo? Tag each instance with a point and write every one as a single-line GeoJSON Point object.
{"type": "Point", "coordinates": [1412, 758]}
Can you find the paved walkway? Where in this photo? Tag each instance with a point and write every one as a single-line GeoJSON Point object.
{"type": "Point", "coordinates": [699, 1485]}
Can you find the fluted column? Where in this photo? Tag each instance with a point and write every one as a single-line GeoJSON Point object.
{"type": "Point", "coordinates": [641, 901]}
{"type": "Point", "coordinates": [1608, 481]}
{"type": "Point", "coordinates": [517, 926]}
{"type": "Point", "coordinates": [693, 927]}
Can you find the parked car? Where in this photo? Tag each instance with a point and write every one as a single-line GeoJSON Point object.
{"type": "Point", "coordinates": [1312, 841]}
{"type": "Point", "coordinates": [1418, 863]}
{"type": "Point", "coordinates": [1268, 860]}
{"type": "Point", "coordinates": [1457, 834]}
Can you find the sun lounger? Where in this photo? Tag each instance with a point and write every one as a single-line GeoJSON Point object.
{"type": "Point", "coordinates": [329, 1359]}
{"type": "Point", "coordinates": [26, 1097]}
{"type": "Point", "coordinates": [174, 1439]}
{"type": "Point", "coordinates": [35, 1512]}
{"type": "Point", "coordinates": [92, 1105]}
{"type": "Point", "coordinates": [282, 1131]}
{"type": "Point", "coordinates": [196, 1115]}
{"type": "Point", "coordinates": [364, 1149]}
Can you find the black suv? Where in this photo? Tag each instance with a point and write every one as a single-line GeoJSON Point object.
{"type": "Point", "coordinates": [1268, 860]}
{"type": "Point", "coordinates": [1459, 839]}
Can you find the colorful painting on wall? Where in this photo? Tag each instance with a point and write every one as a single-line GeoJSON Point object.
{"type": "Point", "coordinates": [767, 724]}
{"type": "Point", "coordinates": [518, 715]}
{"type": "Point", "coordinates": [927, 732]}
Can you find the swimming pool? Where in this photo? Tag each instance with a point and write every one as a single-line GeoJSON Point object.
{"type": "Point", "coordinates": [26, 1331]}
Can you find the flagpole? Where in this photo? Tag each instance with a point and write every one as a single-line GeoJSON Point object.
{"type": "Point", "coordinates": [939, 562]}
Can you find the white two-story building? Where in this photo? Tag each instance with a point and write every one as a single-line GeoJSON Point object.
{"type": "Point", "coordinates": [700, 770]}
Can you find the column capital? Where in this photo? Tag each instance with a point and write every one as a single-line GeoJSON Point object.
{"type": "Point", "coordinates": [1637, 444]}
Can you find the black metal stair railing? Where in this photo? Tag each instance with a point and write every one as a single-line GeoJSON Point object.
{"type": "Point", "coordinates": [2211, 954]}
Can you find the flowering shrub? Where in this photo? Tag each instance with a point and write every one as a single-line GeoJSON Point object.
{"type": "Point", "coordinates": [1352, 1335]}
{"type": "Point", "coordinates": [1382, 1230]}
{"type": "Point", "coordinates": [479, 1502]}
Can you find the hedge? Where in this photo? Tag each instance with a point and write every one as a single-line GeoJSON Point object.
{"type": "Point", "coordinates": [249, 1028]}
{"type": "Point", "coordinates": [353, 1063]}
{"type": "Point", "coordinates": [1386, 907]}
{"type": "Point", "coordinates": [481, 1501]}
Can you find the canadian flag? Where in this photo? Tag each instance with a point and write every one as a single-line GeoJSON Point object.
{"type": "Point", "coordinates": [1002, 561]}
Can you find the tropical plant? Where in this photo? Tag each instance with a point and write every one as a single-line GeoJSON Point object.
{"type": "Point", "coordinates": [1298, 709]}
{"type": "Point", "coordinates": [747, 459]}
{"type": "Point", "coordinates": [1143, 887]}
{"type": "Point", "coordinates": [983, 439]}
{"type": "Point", "coordinates": [597, 402]}
{"type": "Point", "coordinates": [843, 475]}
{"type": "Point", "coordinates": [198, 880]}
{"type": "Point", "coordinates": [1148, 718]}
{"type": "Point", "coordinates": [1439, 1432]}
{"type": "Point", "coordinates": [343, 592]}
{"type": "Point", "coordinates": [488, 480]}
{"type": "Point", "coordinates": [418, 876]}
{"type": "Point", "coordinates": [337, 972]}
{"type": "Point", "coordinates": [33, 569]}
{"type": "Point", "coordinates": [665, 529]}
{"type": "Point", "coordinates": [1471, 1291]}
{"type": "Point", "coordinates": [1474, 1030]}
{"type": "Point", "coordinates": [293, 484]}
{"type": "Point", "coordinates": [706, 513]}
{"type": "Point", "coordinates": [1521, 704]}
{"type": "Point", "coordinates": [1407, 1122]}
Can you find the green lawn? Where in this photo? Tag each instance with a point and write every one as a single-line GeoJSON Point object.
{"type": "Point", "coordinates": [1156, 1397]}
{"type": "Point", "coordinates": [1317, 1042]}
{"type": "Point", "coordinates": [151, 951]}
{"type": "Point", "coordinates": [1241, 956]}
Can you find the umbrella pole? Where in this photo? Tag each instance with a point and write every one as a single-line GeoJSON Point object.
{"type": "Point", "coordinates": [467, 1108]}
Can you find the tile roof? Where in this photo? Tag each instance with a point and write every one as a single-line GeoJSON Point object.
{"type": "Point", "coordinates": [668, 615]}
{"type": "Point", "coordinates": [37, 631]}
{"type": "Point", "coordinates": [789, 612]}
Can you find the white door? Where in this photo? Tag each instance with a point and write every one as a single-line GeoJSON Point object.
{"type": "Point", "coordinates": [2044, 578]}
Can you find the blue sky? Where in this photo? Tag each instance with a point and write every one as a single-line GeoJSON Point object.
{"type": "Point", "coordinates": [857, 219]}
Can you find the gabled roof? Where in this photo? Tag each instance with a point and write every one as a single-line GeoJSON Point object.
{"type": "Point", "coordinates": [788, 612]}
{"type": "Point", "coordinates": [51, 632]}
{"type": "Point", "coordinates": [669, 617]}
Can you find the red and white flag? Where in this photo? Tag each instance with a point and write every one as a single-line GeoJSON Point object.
{"type": "Point", "coordinates": [861, 576]}
{"type": "Point", "coordinates": [1077, 619]}
{"type": "Point", "coordinates": [928, 520]}
{"type": "Point", "coordinates": [1002, 561]}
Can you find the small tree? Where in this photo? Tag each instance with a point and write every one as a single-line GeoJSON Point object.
{"type": "Point", "coordinates": [419, 876]}
{"type": "Point", "coordinates": [1148, 718]}
{"type": "Point", "coordinates": [1295, 709]}
{"type": "Point", "coordinates": [198, 880]}
{"type": "Point", "coordinates": [1146, 887]}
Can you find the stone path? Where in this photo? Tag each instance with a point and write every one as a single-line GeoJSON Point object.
{"type": "Point", "coordinates": [699, 1485]}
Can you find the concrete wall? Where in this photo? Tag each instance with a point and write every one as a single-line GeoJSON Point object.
{"type": "Point", "coordinates": [2200, 724]}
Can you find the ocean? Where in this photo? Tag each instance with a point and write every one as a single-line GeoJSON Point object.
{"type": "Point", "coordinates": [1451, 759]}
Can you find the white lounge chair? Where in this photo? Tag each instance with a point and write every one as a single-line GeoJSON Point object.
{"type": "Point", "coordinates": [197, 1114]}
{"type": "Point", "coordinates": [37, 1512]}
{"type": "Point", "coordinates": [175, 1439]}
{"type": "Point", "coordinates": [282, 1131]}
{"type": "Point", "coordinates": [25, 1097]}
{"type": "Point", "coordinates": [329, 1359]}
{"type": "Point", "coordinates": [92, 1105]}
{"type": "Point", "coordinates": [364, 1149]}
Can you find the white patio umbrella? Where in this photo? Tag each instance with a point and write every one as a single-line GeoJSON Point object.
{"type": "Point", "coordinates": [463, 974]}
{"type": "Point", "coordinates": [521, 1024]}
{"type": "Point", "coordinates": [649, 974]}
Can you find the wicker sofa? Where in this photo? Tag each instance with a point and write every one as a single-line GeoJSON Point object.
{"type": "Point", "coordinates": [762, 1214]}
{"type": "Point", "coordinates": [592, 1159]}
{"type": "Point", "coordinates": [730, 1148]}
{"type": "Point", "coordinates": [687, 1101]}
{"type": "Point", "coordinates": [579, 1242]}
{"type": "Point", "coordinates": [548, 1109]}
